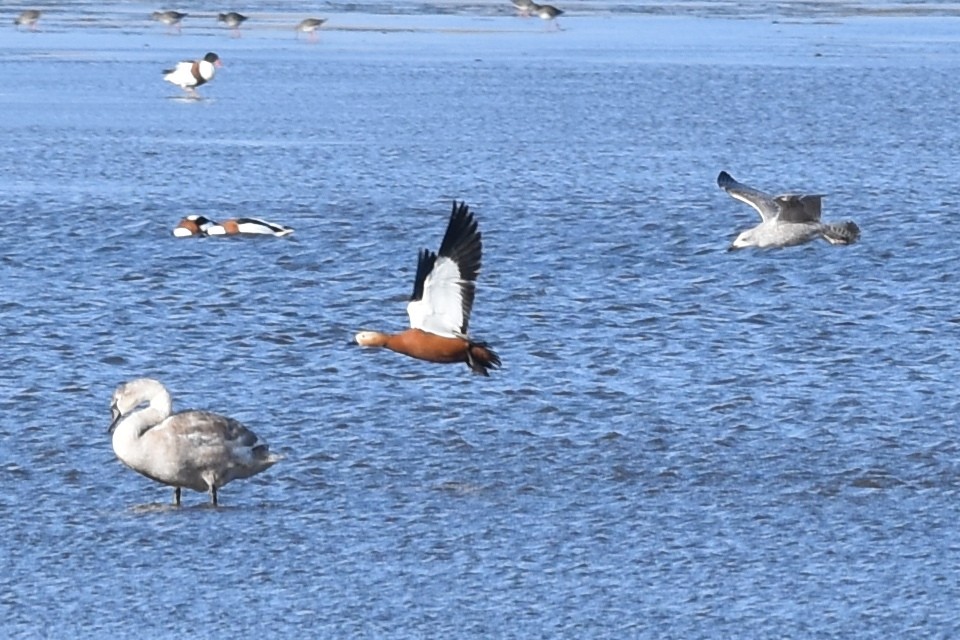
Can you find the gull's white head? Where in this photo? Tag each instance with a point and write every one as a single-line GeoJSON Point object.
{"type": "Point", "coordinates": [745, 239]}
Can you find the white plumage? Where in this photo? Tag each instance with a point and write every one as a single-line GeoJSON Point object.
{"type": "Point", "coordinates": [190, 74]}
{"type": "Point", "coordinates": [445, 284]}
{"type": "Point", "coordinates": [440, 309]}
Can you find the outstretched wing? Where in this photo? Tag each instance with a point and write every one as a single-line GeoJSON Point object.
{"type": "Point", "coordinates": [445, 284]}
{"type": "Point", "coordinates": [764, 203]}
{"type": "Point", "coordinates": [795, 207]}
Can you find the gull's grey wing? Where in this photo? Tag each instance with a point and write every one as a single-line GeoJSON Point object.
{"type": "Point", "coordinates": [796, 207]}
{"type": "Point", "coordinates": [764, 203]}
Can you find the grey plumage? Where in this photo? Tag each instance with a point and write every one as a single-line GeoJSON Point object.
{"type": "Point", "coordinates": [232, 19]}
{"type": "Point", "coordinates": [197, 450]}
{"type": "Point", "coordinates": [170, 18]}
{"type": "Point", "coordinates": [786, 219]}
{"type": "Point", "coordinates": [546, 12]}
{"type": "Point", "coordinates": [524, 7]}
{"type": "Point", "coordinates": [28, 19]}
{"type": "Point", "coordinates": [310, 26]}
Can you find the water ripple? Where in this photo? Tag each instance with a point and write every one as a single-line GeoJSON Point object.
{"type": "Point", "coordinates": [683, 442]}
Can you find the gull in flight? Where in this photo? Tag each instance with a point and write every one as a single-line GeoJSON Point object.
{"type": "Point", "coordinates": [786, 220]}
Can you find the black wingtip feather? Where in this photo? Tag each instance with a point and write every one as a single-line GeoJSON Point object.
{"type": "Point", "coordinates": [425, 262]}
{"type": "Point", "coordinates": [463, 245]}
{"type": "Point", "coordinates": [725, 180]}
{"type": "Point", "coordinates": [462, 242]}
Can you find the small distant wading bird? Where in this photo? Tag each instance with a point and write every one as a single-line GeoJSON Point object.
{"type": "Point", "coordinates": [439, 309]}
{"type": "Point", "coordinates": [232, 20]}
{"type": "Point", "coordinates": [787, 219]}
{"type": "Point", "coordinates": [190, 74]}
{"type": "Point", "coordinates": [523, 7]}
{"type": "Point", "coordinates": [197, 225]}
{"type": "Point", "coordinates": [170, 18]}
{"type": "Point", "coordinates": [27, 19]}
{"type": "Point", "coordinates": [196, 450]}
{"type": "Point", "coordinates": [309, 26]}
{"type": "Point", "coordinates": [546, 12]}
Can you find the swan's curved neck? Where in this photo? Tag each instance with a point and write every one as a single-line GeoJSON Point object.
{"type": "Point", "coordinates": [136, 423]}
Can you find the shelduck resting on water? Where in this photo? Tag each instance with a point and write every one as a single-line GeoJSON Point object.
{"type": "Point", "coordinates": [197, 225]}
{"type": "Point", "coordinates": [190, 74]}
{"type": "Point", "coordinates": [442, 298]}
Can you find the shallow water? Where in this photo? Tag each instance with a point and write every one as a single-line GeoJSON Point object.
{"type": "Point", "coordinates": [683, 442]}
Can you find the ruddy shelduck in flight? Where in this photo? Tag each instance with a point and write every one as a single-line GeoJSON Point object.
{"type": "Point", "coordinates": [442, 298]}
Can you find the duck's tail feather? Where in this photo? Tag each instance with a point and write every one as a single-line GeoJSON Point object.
{"type": "Point", "coordinates": [481, 358]}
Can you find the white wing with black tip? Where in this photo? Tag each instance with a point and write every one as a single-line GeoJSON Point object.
{"type": "Point", "coordinates": [445, 283]}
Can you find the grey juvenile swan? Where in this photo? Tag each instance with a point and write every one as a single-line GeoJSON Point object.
{"type": "Point", "coordinates": [194, 449]}
{"type": "Point", "coordinates": [787, 219]}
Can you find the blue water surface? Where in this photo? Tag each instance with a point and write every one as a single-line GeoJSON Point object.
{"type": "Point", "coordinates": [683, 442]}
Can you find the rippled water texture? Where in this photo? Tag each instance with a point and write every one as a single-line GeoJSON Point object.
{"type": "Point", "coordinates": [682, 443]}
